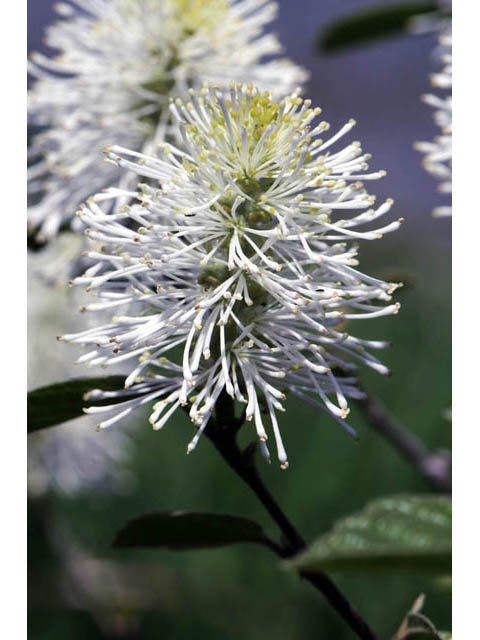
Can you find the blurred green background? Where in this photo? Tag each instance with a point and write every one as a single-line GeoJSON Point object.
{"type": "Point", "coordinates": [80, 588]}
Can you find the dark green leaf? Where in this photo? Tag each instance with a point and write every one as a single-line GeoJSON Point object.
{"type": "Point", "coordinates": [373, 23]}
{"type": "Point", "coordinates": [57, 403]}
{"type": "Point", "coordinates": [181, 530]}
{"type": "Point", "coordinates": [395, 534]}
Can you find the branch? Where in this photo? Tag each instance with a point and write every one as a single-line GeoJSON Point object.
{"type": "Point", "coordinates": [222, 433]}
{"type": "Point", "coordinates": [435, 467]}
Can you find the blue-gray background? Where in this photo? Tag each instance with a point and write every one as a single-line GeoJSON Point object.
{"type": "Point", "coordinates": [378, 84]}
{"type": "Point", "coordinates": [240, 593]}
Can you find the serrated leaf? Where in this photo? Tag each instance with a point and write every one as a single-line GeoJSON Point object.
{"type": "Point", "coordinates": [371, 24]}
{"type": "Point", "coordinates": [57, 403]}
{"type": "Point", "coordinates": [397, 534]}
{"type": "Point", "coordinates": [183, 530]}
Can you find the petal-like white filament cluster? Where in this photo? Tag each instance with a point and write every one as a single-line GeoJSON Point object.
{"type": "Point", "coordinates": [234, 270]}
{"type": "Point", "coordinates": [438, 153]}
{"type": "Point", "coordinates": [119, 63]}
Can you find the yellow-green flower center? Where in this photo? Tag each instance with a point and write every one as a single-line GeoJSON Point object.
{"type": "Point", "coordinates": [198, 15]}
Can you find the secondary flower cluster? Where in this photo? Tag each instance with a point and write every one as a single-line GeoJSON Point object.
{"type": "Point", "coordinates": [438, 153]}
{"type": "Point", "coordinates": [120, 61]}
{"type": "Point", "coordinates": [233, 270]}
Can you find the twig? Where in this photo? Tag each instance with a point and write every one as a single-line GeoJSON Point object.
{"type": "Point", "coordinates": [222, 433]}
{"type": "Point", "coordinates": [435, 467]}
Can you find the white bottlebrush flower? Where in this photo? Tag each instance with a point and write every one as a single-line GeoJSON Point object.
{"type": "Point", "coordinates": [438, 153]}
{"type": "Point", "coordinates": [234, 272]}
{"type": "Point", "coordinates": [120, 61]}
